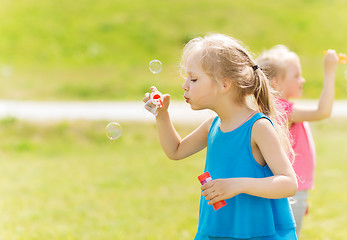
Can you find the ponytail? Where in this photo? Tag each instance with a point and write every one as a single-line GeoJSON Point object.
{"type": "Point", "coordinates": [262, 92]}
{"type": "Point", "coordinates": [268, 105]}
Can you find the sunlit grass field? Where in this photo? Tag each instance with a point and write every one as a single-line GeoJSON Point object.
{"type": "Point", "coordinates": [100, 50]}
{"type": "Point", "coordinates": [68, 181]}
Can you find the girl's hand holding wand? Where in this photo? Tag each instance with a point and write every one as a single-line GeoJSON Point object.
{"type": "Point", "coordinates": [156, 102]}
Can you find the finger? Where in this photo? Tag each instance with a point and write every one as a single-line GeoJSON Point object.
{"type": "Point", "coordinates": [211, 195]}
{"type": "Point", "coordinates": [149, 105]}
{"type": "Point", "coordinates": [148, 108]}
{"type": "Point", "coordinates": [332, 53]}
{"type": "Point", "coordinates": [215, 199]}
{"type": "Point", "coordinates": [207, 192]}
{"type": "Point", "coordinates": [207, 185]}
{"type": "Point", "coordinates": [146, 98]}
{"type": "Point", "coordinates": [166, 99]}
{"type": "Point", "coordinates": [153, 89]}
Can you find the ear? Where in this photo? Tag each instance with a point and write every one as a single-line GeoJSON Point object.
{"type": "Point", "coordinates": [226, 84]}
{"type": "Point", "coordinates": [274, 82]}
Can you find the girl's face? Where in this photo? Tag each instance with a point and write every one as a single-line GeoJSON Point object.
{"type": "Point", "coordinates": [200, 89]}
{"type": "Point", "coordinates": [291, 85]}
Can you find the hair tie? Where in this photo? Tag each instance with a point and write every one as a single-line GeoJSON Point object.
{"type": "Point", "coordinates": [255, 67]}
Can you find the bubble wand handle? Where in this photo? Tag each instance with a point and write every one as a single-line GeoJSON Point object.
{"type": "Point", "coordinates": [155, 101]}
{"type": "Point", "coordinates": [157, 98]}
{"type": "Point", "coordinates": [342, 57]}
{"type": "Point", "coordinates": [205, 178]}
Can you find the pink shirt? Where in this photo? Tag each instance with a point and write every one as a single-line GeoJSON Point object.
{"type": "Point", "coordinates": [303, 145]}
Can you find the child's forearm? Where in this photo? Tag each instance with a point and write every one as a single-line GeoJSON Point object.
{"type": "Point", "coordinates": [326, 99]}
{"type": "Point", "coordinates": [278, 186]}
{"type": "Point", "coordinates": [168, 137]}
{"type": "Point", "coordinates": [274, 187]}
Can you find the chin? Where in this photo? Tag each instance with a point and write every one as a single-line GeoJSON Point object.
{"type": "Point", "coordinates": [193, 107]}
{"type": "Point", "coordinates": [198, 108]}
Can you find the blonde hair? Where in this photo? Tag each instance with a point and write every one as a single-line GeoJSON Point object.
{"type": "Point", "coordinates": [274, 61]}
{"type": "Point", "coordinates": [225, 57]}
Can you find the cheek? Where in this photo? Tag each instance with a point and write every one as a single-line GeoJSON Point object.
{"type": "Point", "coordinates": [298, 85]}
{"type": "Point", "coordinates": [208, 96]}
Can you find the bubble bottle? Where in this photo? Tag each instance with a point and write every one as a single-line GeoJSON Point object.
{"type": "Point", "coordinates": [205, 178]}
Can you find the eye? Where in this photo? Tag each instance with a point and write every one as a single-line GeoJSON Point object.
{"type": "Point", "coordinates": [193, 79]}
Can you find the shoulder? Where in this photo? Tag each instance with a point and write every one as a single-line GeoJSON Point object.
{"type": "Point", "coordinates": [262, 129]}
{"type": "Point", "coordinates": [262, 122]}
{"type": "Point", "coordinates": [210, 120]}
{"type": "Point", "coordinates": [208, 123]}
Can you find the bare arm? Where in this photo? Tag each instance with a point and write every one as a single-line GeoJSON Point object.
{"type": "Point", "coordinates": [282, 184]}
{"type": "Point", "coordinates": [172, 144]}
{"type": "Point", "coordinates": [175, 147]}
{"type": "Point", "coordinates": [326, 100]}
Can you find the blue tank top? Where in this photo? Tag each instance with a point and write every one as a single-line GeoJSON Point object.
{"type": "Point", "coordinates": [229, 155]}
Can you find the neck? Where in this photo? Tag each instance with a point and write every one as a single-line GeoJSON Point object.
{"type": "Point", "coordinates": [232, 114]}
{"type": "Point", "coordinates": [282, 95]}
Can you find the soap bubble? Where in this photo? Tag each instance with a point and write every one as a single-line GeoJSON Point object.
{"type": "Point", "coordinates": [113, 130]}
{"type": "Point", "coordinates": [155, 66]}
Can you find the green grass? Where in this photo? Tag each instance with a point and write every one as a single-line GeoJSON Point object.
{"type": "Point", "coordinates": [327, 218]}
{"type": "Point", "coordinates": [68, 181]}
{"type": "Point", "coordinates": [100, 50]}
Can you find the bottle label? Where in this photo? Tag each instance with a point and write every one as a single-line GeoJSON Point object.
{"type": "Point", "coordinates": [209, 179]}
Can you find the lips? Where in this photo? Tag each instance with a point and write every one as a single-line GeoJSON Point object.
{"type": "Point", "coordinates": [187, 99]}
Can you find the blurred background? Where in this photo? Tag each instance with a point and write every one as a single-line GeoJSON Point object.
{"type": "Point", "coordinates": [99, 50]}
{"type": "Point", "coordinates": [66, 180]}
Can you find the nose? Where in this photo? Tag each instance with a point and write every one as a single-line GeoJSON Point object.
{"type": "Point", "coordinates": [185, 86]}
{"type": "Point", "coordinates": [303, 80]}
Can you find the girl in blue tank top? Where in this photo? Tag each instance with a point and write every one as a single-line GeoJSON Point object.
{"type": "Point", "coordinates": [247, 150]}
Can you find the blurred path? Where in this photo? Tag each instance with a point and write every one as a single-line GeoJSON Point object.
{"type": "Point", "coordinates": [114, 111]}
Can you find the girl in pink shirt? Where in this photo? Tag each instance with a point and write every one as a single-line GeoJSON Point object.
{"type": "Point", "coordinates": [283, 69]}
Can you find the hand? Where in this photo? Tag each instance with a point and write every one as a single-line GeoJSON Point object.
{"type": "Point", "coordinates": [330, 61]}
{"type": "Point", "coordinates": [221, 189]}
{"type": "Point", "coordinates": [151, 107]}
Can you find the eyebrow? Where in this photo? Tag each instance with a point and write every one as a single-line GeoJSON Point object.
{"type": "Point", "coordinates": [190, 72]}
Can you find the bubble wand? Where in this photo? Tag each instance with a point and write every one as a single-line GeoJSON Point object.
{"type": "Point", "coordinates": [157, 98]}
